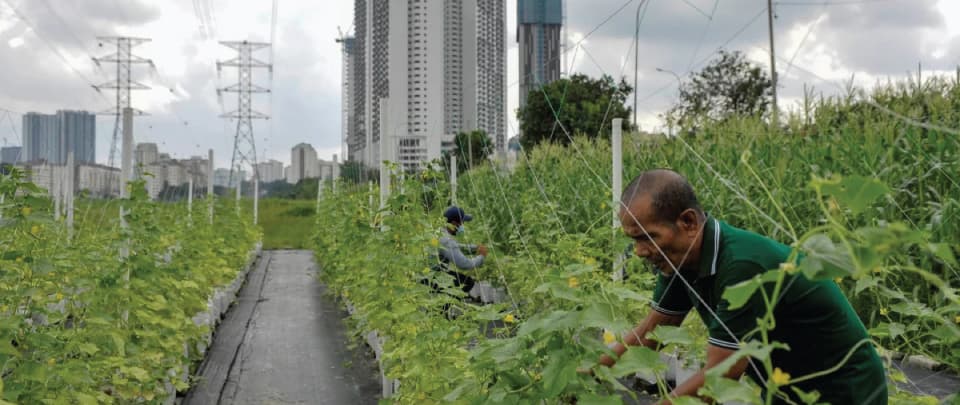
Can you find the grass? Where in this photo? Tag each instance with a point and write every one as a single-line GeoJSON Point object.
{"type": "Point", "coordinates": [287, 224]}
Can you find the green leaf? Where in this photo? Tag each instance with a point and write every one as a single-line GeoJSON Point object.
{"type": "Point", "coordinates": [750, 348]}
{"type": "Point", "coordinates": [6, 347]}
{"type": "Point", "coordinates": [638, 360]}
{"type": "Point", "coordinates": [557, 374]}
{"type": "Point", "coordinates": [601, 315]}
{"type": "Point", "coordinates": [88, 348]}
{"type": "Point", "coordinates": [457, 392]}
{"type": "Point", "coordinates": [725, 390]}
{"type": "Point", "coordinates": [864, 283]}
{"type": "Point", "coordinates": [559, 290]}
{"type": "Point", "coordinates": [944, 252]}
{"type": "Point", "coordinates": [594, 399]}
{"type": "Point", "coordinates": [32, 371]}
{"type": "Point", "coordinates": [738, 294]}
{"type": "Point", "coordinates": [824, 259]}
{"type": "Point", "coordinates": [136, 372]}
{"type": "Point", "coordinates": [553, 321]}
{"type": "Point", "coordinates": [118, 343]}
{"type": "Point", "coordinates": [666, 335]}
{"type": "Point", "coordinates": [627, 294]}
{"type": "Point", "coordinates": [854, 192]}
{"type": "Point", "coordinates": [687, 401]}
{"type": "Point", "coordinates": [85, 399]}
{"type": "Point", "coordinates": [896, 329]}
{"type": "Point", "coordinates": [809, 398]}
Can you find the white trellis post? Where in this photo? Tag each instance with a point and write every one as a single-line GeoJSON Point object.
{"type": "Point", "coordinates": [453, 179]}
{"type": "Point", "coordinates": [370, 194]}
{"type": "Point", "coordinates": [68, 193]}
{"type": "Point", "coordinates": [126, 175]}
{"type": "Point", "coordinates": [239, 186]}
{"type": "Point", "coordinates": [56, 188]}
{"type": "Point", "coordinates": [384, 152]}
{"type": "Point", "coordinates": [256, 194]}
{"type": "Point", "coordinates": [319, 193]}
{"type": "Point", "coordinates": [190, 200]}
{"type": "Point", "coordinates": [616, 146]}
{"type": "Point", "coordinates": [210, 186]}
{"type": "Point", "coordinates": [335, 175]}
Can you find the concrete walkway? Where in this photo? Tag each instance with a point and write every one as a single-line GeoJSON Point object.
{"type": "Point", "coordinates": [284, 342]}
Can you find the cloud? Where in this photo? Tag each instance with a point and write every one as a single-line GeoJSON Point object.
{"type": "Point", "coordinates": [871, 40]}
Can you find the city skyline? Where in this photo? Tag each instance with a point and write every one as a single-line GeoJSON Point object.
{"type": "Point", "coordinates": [430, 69]}
{"type": "Point", "coordinates": [50, 137]}
{"type": "Point", "coordinates": [55, 71]}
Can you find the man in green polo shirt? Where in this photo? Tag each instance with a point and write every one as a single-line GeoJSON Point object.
{"type": "Point", "coordinates": [697, 257]}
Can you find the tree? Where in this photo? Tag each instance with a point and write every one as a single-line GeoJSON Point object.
{"type": "Point", "coordinates": [729, 86]}
{"type": "Point", "coordinates": [584, 106]}
{"type": "Point", "coordinates": [471, 149]}
{"type": "Point", "coordinates": [357, 173]}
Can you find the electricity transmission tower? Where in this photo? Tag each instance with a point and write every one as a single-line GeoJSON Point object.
{"type": "Point", "coordinates": [244, 148]}
{"type": "Point", "coordinates": [123, 84]}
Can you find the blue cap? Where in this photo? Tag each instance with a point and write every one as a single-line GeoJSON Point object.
{"type": "Point", "coordinates": [455, 213]}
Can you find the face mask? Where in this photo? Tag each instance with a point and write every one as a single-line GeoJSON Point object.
{"type": "Point", "coordinates": [460, 230]}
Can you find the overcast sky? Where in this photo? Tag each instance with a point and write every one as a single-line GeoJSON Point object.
{"type": "Point", "coordinates": [46, 46]}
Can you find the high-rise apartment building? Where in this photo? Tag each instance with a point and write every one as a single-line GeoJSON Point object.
{"type": "Point", "coordinates": [350, 122]}
{"type": "Point", "coordinates": [539, 30]}
{"type": "Point", "coordinates": [270, 171]}
{"type": "Point", "coordinates": [145, 154]}
{"type": "Point", "coordinates": [441, 65]}
{"type": "Point", "coordinates": [50, 137]}
{"type": "Point", "coordinates": [303, 163]}
{"type": "Point", "coordinates": [10, 154]}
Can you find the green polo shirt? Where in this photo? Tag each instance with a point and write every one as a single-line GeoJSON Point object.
{"type": "Point", "coordinates": [813, 317]}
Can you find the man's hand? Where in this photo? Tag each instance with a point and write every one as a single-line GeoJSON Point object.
{"type": "Point", "coordinates": [482, 250]}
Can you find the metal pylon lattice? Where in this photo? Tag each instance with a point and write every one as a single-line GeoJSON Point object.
{"type": "Point", "coordinates": [244, 147]}
{"type": "Point", "coordinates": [124, 83]}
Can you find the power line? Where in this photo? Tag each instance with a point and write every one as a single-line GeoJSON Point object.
{"type": "Point", "coordinates": [52, 47]}
{"type": "Point", "coordinates": [827, 3]}
{"type": "Point", "coordinates": [699, 10]}
{"type": "Point", "coordinates": [800, 46]}
{"type": "Point", "coordinates": [703, 60]}
{"type": "Point", "coordinates": [63, 23]}
{"type": "Point", "coordinates": [886, 110]}
{"type": "Point", "coordinates": [703, 34]}
{"type": "Point", "coordinates": [244, 146]}
{"type": "Point", "coordinates": [123, 58]}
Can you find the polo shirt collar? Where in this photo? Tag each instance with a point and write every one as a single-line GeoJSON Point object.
{"type": "Point", "coordinates": [710, 248]}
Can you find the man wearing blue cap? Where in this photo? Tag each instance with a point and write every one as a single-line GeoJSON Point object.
{"type": "Point", "coordinates": [451, 251]}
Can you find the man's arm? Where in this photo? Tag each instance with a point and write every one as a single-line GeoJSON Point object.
{"type": "Point", "coordinates": [715, 355]}
{"type": "Point", "coordinates": [637, 336]}
{"type": "Point", "coordinates": [453, 253]}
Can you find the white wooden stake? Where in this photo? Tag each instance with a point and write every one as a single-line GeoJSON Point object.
{"type": "Point", "coordinates": [319, 193]}
{"type": "Point", "coordinates": [616, 146]}
{"type": "Point", "coordinates": [256, 196]}
{"type": "Point", "coordinates": [384, 152]}
{"type": "Point", "coordinates": [370, 193]}
{"type": "Point", "coordinates": [239, 185]}
{"type": "Point", "coordinates": [335, 175]}
{"type": "Point", "coordinates": [57, 190]}
{"type": "Point", "coordinates": [126, 156]}
{"type": "Point", "coordinates": [126, 175]}
{"type": "Point", "coordinates": [210, 185]}
{"type": "Point", "coordinates": [68, 193]}
{"type": "Point", "coordinates": [453, 179]}
{"type": "Point", "coordinates": [190, 201]}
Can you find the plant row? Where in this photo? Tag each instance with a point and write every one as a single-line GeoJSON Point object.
{"type": "Point", "coordinates": [103, 313]}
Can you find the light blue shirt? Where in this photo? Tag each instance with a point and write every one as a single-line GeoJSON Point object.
{"type": "Point", "coordinates": [451, 251]}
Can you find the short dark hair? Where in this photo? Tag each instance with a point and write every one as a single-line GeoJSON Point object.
{"type": "Point", "coordinates": [670, 193]}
